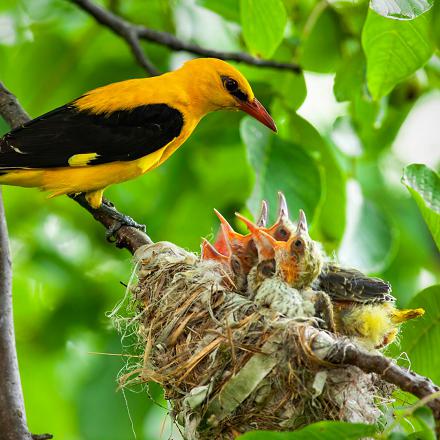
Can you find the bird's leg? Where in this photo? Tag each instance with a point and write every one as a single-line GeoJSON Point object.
{"type": "Point", "coordinates": [107, 202]}
{"type": "Point", "coordinates": [324, 310]}
{"type": "Point", "coordinates": [108, 215]}
{"type": "Point", "coordinates": [120, 219]}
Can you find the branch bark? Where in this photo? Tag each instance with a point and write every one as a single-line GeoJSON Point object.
{"type": "Point", "coordinates": [126, 237]}
{"type": "Point", "coordinates": [132, 33]}
{"type": "Point", "coordinates": [13, 425]}
{"type": "Point", "coordinates": [344, 352]}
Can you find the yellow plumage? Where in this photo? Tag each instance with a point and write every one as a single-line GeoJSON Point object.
{"type": "Point", "coordinates": [187, 95]}
{"type": "Point", "coordinates": [375, 325]}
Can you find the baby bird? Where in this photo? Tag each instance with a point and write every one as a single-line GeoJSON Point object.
{"type": "Point", "coordinates": [374, 325]}
{"type": "Point", "coordinates": [298, 260]}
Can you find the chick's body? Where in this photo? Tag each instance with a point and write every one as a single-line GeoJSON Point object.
{"type": "Point", "coordinates": [374, 325]}
{"type": "Point", "coordinates": [272, 292]}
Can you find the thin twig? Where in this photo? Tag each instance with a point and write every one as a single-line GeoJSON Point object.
{"type": "Point", "coordinates": [42, 436]}
{"type": "Point", "coordinates": [125, 28]}
{"type": "Point", "coordinates": [133, 41]}
{"type": "Point", "coordinates": [13, 425]}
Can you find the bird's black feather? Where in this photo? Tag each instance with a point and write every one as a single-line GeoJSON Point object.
{"type": "Point", "coordinates": [51, 139]}
{"type": "Point", "coordinates": [347, 284]}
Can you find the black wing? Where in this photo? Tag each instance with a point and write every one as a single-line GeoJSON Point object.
{"type": "Point", "coordinates": [345, 284]}
{"type": "Point", "coordinates": [123, 135]}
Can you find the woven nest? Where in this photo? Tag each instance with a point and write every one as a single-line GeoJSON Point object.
{"type": "Point", "coordinates": [228, 364]}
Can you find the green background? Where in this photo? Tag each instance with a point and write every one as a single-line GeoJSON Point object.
{"type": "Point", "coordinates": [365, 112]}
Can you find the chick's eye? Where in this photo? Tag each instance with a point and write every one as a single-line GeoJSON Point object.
{"type": "Point", "coordinates": [298, 245]}
{"type": "Point", "coordinates": [282, 233]}
{"type": "Point", "coordinates": [231, 85]}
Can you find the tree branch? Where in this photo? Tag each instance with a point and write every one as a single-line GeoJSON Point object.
{"type": "Point", "coordinates": [13, 425]}
{"type": "Point", "coordinates": [11, 111]}
{"type": "Point", "coordinates": [126, 237]}
{"type": "Point", "coordinates": [133, 33]}
{"type": "Point", "coordinates": [344, 352]}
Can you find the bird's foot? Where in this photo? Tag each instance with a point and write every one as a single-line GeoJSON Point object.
{"type": "Point", "coordinates": [120, 221]}
{"type": "Point", "coordinates": [324, 311]}
{"type": "Point", "coordinates": [108, 203]}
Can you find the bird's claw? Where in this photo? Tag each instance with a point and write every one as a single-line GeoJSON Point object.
{"type": "Point", "coordinates": [107, 203]}
{"type": "Point", "coordinates": [124, 220]}
{"type": "Point", "coordinates": [120, 220]}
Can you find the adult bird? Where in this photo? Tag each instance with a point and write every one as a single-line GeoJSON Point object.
{"type": "Point", "coordinates": [123, 130]}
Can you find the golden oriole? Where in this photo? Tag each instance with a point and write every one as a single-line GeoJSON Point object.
{"type": "Point", "coordinates": [120, 131]}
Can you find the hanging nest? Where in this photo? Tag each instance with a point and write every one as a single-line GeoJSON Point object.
{"type": "Point", "coordinates": [235, 359]}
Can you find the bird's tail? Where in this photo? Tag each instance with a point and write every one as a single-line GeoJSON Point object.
{"type": "Point", "coordinates": [399, 316]}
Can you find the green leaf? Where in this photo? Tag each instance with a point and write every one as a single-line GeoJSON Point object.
{"type": "Point", "coordinates": [424, 185]}
{"type": "Point", "coordinates": [426, 420]}
{"type": "Point", "coordinates": [369, 242]}
{"type": "Point", "coordinates": [263, 23]}
{"type": "Point", "coordinates": [350, 77]}
{"type": "Point", "coordinates": [435, 25]}
{"type": "Point", "coordinates": [401, 9]}
{"type": "Point", "coordinates": [228, 9]}
{"type": "Point", "coordinates": [290, 88]}
{"type": "Point", "coordinates": [280, 166]}
{"type": "Point", "coordinates": [321, 51]}
{"type": "Point", "coordinates": [328, 430]}
{"type": "Point", "coordinates": [295, 129]}
{"type": "Point", "coordinates": [420, 336]}
{"type": "Point", "coordinates": [394, 49]}
{"type": "Point", "coordinates": [377, 123]}
{"type": "Point", "coordinates": [397, 436]}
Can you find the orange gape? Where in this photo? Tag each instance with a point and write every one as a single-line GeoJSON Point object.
{"type": "Point", "coordinates": [120, 131]}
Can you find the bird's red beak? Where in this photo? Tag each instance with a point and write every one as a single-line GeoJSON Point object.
{"type": "Point", "coordinates": [257, 111]}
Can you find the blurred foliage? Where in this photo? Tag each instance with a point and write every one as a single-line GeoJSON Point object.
{"type": "Point", "coordinates": [263, 24]}
{"type": "Point", "coordinates": [421, 335]}
{"type": "Point", "coordinates": [424, 186]}
{"type": "Point", "coordinates": [339, 156]}
{"type": "Point", "coordinates": [320, 430]}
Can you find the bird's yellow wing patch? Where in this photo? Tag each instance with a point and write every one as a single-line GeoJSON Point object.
{"type": "Point", "coordinates": [81, 160]}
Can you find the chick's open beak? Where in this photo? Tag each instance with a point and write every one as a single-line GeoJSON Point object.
{"type": "Point", "coordinates": [257, 111]}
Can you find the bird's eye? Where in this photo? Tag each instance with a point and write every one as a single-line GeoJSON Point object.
{"type": "Point", "coordinates": [236, 266]}
{"type": "Point", "coordinates": [231, 85]}
{"type": "Point", "coordinates": [282, 234]}
{"type": "Point", "coordinates": [297, 246]}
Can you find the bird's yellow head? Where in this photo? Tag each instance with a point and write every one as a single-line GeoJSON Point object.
{"type": "Point", "coordinates": [216, 85]}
